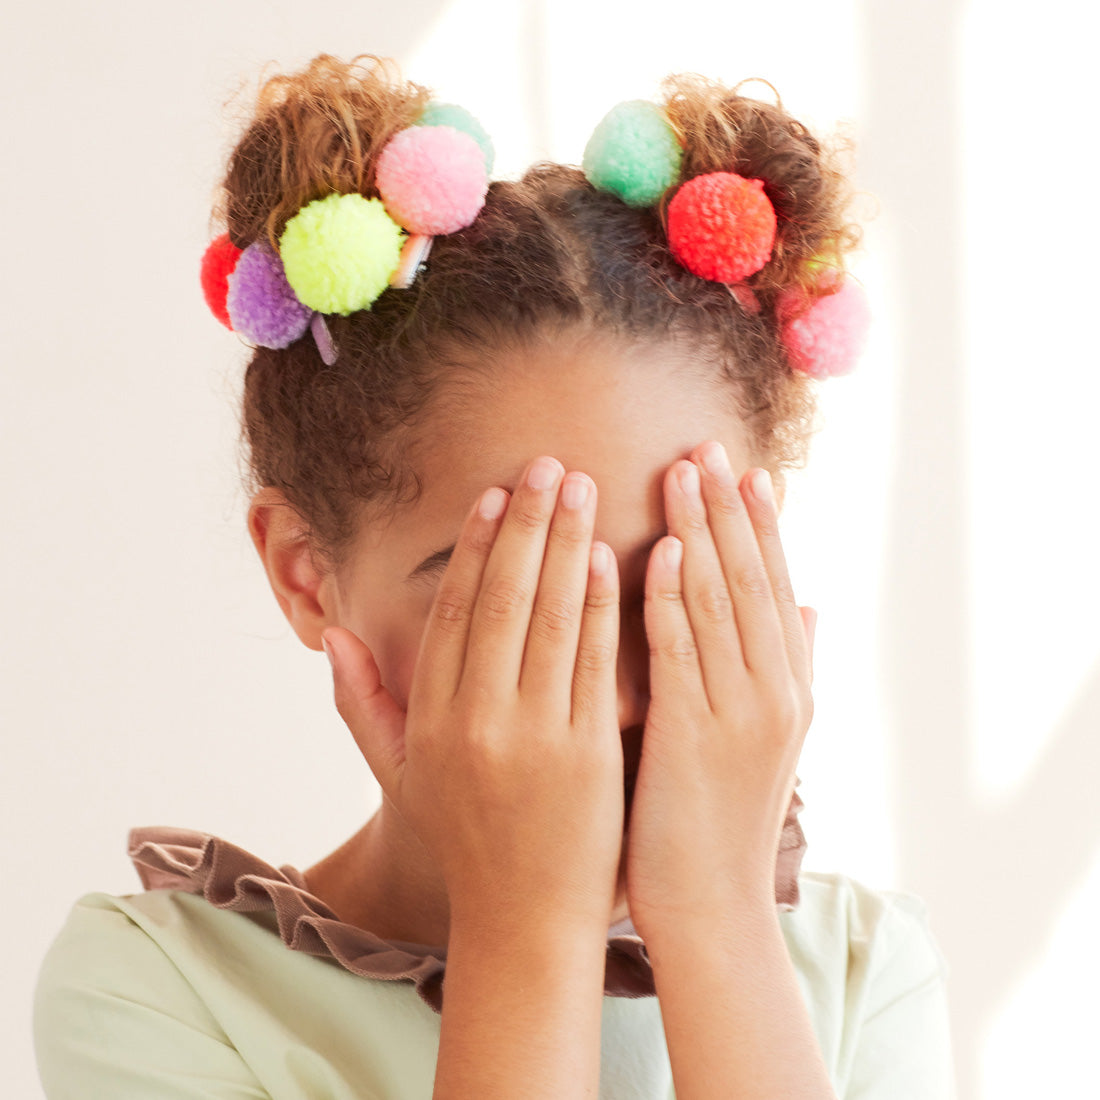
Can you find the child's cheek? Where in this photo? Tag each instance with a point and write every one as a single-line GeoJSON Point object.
{"type": "Point", "coordinates": [396, 657]}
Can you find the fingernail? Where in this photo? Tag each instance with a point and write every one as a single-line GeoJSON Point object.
{"type": "Point", "coordinates": [492, 503]}
{"type": "Point", "coordinates": [328, 652]}
{"type": "Point", "coordinates": [715, 460]}
{"type": "Point", "coordinates": [544, 474]}
{"type": "Point", "coordinates": [762, 486]}
{"type": "Point", "coordinates": [689, 479]}
{"type": "Point", "coordinates": [574, 492]}
{"type": "Point", "coordinates": [600, 558]}
{"type": "Point", "coordinates": [674, 553]}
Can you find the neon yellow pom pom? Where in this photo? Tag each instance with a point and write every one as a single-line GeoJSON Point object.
{"type": "Point", "coordinates": [339, 253]}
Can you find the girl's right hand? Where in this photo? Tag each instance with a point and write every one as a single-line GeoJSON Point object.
{"type": "Point", "coordinates": [508, 764]}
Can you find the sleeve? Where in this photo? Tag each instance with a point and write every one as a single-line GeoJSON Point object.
{"type": "Point", "coordinates": [114, 1018]}
{"type": "Point", "coordinates": [903, 1050]}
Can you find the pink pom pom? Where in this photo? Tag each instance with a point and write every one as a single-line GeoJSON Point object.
{"type": "Point", "coordinates": [721, 226]}
{"type": "Point", "coordinates": [432, 179]}
{"type": "Point", "coordinates": [827, 338]}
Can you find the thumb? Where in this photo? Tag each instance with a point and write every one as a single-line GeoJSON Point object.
{"type": "Point", "coordinates": [376, 721]}
{"type": "Point", "coordinates": [809, 624]}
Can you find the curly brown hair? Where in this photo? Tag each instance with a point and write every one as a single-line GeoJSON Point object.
{"type": "Point", "coordinates": [547, 253]}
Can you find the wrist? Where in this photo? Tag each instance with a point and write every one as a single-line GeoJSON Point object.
{"type": "Point", "coordinates": [702, 917]}
{"type": "Point", "coordinates": [488, 928]}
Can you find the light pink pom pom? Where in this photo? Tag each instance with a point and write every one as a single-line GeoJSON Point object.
{"type": "Point", "coordinates": [432, 179]}
{"type": "Point", "coordinates": [827, 339]}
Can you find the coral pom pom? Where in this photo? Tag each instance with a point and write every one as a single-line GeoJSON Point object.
{"type": "Point", "coordinates": [339, 252]}
{"type": "Point", "coordinates": [451, 114]}
{"type": "Point", "coordinates": [432, 179]}
{"type": "Point", "coordinates": [262, 307]}
{"type": "Point", "coordinates": [633, 153]}
{"type": "Point", "coordinates": [826, 339]}
{"type": "Point", "coordinates": [218, 262]}
{"type": "Point", "coordinates": [721, 226]}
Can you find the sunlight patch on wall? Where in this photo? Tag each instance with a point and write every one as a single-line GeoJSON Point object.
{"type": "Point", "coordinates": [1030, 281]}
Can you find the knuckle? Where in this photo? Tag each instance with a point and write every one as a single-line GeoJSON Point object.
{"type": "Point", "coordinates": [502, 598]}
{"type": "Point", "coordinates": [767, 526]}
{"type": "Point", "coordinates": [600, 601]}
{"type": "Point", "coordinates": [452, 608]}
{"type": "Point", "coordinates": [715, 604]}
{"type": "Point", "coordinates": [694, 521]}
{"type": "Point", "coordinates": [595, 657]}
{"type": "Point", "coordinates": [679, 650]}
{"type": "Point", "coordinates": [569, 534]}
{"type": "Point", "coordinates": [662, 596]}
{"type": "Point", "coordinates": [787, 707]}
{"type": "Point", "coordinates": [529, 515]}
{"type": "Point", "coordinates": [724, 502]}
{"type": "Point", "coordinates": [751, 581]}
{"type": "Point", "coordinates": [554, 616]}
{"type": "Point", "coordinates": [783, 591]}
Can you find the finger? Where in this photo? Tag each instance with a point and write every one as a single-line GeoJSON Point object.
{"type": "Point", "coordinates": [376, 721]}
{"type": "Point", "coordinates": [758, 622]}
{"type": "Point", "coordinates": [674, 669]}
{"type": "Point", "coordinates": [706, 590]}
{"type": "Point", "coordinates": [759, 497]}
{"type": "Point", "coordinates": [595, 691]}
{"type": "Point", "coordinates": [446, 634]}
{"type": "Point", "coordinates": [809, 622]}
{"type": "Point", "coordinates": [502, 613]}
{"type": "Point", "coordinates": [549, 656]}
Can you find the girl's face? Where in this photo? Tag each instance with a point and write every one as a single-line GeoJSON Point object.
{"type": "Point", "coordinates": [620, 413]}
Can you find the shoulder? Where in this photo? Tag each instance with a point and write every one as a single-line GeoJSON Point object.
{"type": "Point", "coordinates": [875, 980]}
{"type": "Point", "coordinates": [112, 1005]}
{"type": "Point", "coordinates": [872, 926]}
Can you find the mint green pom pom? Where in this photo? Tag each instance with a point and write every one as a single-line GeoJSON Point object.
{"type": "Point", "coordinates": [633, 153]}
{"type": "Point", "coordinates": [340, 252]}
{"type": "Point", "coordinates": [451, 114]}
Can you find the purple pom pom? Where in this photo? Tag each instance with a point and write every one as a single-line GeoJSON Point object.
{"type": "Point", "coordinates": [261, 304]}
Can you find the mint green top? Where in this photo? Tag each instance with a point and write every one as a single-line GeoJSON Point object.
{"type": "Point", "coordinates": [163, 996]}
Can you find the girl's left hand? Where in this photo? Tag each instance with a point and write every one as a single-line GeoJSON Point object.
{"type": "Point", "coordinates": [730, 702]}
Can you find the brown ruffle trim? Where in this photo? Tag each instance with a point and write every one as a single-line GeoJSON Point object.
{"type": "Point", "coordinates": [228, 877]}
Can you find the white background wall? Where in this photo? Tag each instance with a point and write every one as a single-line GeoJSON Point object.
{"type": "Point", "coordinates": [946, 528]}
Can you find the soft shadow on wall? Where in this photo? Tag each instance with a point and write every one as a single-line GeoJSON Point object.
{"type": "Point", "coordinates": [998, 878]}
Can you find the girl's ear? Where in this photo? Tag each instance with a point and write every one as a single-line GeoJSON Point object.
{"type": "Point", "coordinates": [303, 591]}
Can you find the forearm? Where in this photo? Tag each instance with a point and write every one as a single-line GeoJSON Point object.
{"type": "Point", "coordinates": [521, 1013]}
{"type": "Point", "coordinates": [735, 1020]}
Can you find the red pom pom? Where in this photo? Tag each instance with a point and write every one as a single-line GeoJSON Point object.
{"type": "Point", "coordinates": [721, 226]}
{"type": "Point", "coordinates": [218, 262]}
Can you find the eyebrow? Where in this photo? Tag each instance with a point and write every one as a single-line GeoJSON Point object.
{"type": "Point", "coordinates": [442, 557]}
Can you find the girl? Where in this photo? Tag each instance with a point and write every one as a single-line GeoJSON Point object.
{"type": "Point", "coordinates": [519, 452]}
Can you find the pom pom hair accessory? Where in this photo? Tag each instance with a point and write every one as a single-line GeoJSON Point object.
{"type": "Point", "coordinates": [722, 227]}
{"type": "Point", "coordinates": [337, 254]}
